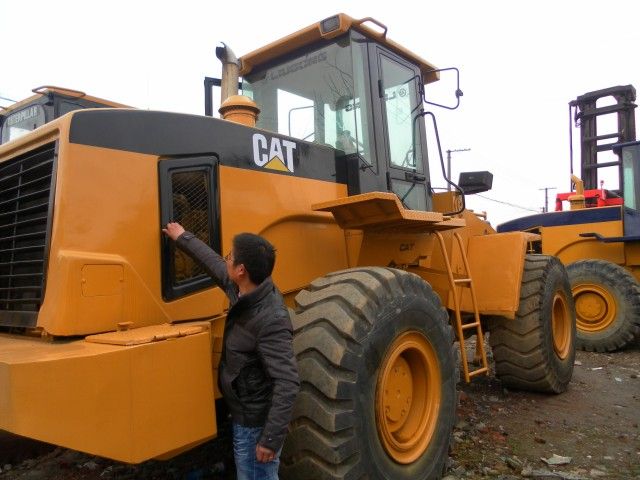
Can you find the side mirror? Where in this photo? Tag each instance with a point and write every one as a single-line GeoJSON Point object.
{"type": "Point", "coordinates": [475, 182]}
{"type": "Point", "coordinates": [441, 89]}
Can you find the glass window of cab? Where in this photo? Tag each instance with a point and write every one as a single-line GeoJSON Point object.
{"type": "Point", "coordinates": [317, 96]}
{"type": "Point", "coordinates": [22, 121]}
{"type": "Point", "coordinates": [631, 166]}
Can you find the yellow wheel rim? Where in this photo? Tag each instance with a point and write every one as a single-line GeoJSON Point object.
{"type": "Point", "coordinates": [408, 396]}
{"type": "Point", "coordinates": [595, 307]}
{"type": "Point", "coordinates": [561, 326]}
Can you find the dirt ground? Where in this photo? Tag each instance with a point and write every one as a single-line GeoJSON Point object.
{"type": "Point", "coordinates": [595, 425]}
{"type": "Point", "coordinates": [592, 431]}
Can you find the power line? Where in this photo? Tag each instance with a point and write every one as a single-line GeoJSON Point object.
{"type": "Point", "coordinates": [509, 204]}
{"type": "Point", "coordinates": [449, 152]}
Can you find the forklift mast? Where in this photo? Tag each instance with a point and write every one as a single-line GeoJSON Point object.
{"type": "Point", "coordinates": [585, 114]}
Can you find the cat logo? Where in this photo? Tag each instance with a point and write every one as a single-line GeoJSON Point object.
{"type": "Point", "coordinates": [274, 154]}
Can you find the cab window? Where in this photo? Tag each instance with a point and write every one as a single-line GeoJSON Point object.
{"type": "Point", "coordinates": [318, 97]}
{"type": "Point", "coordinates": [22, 122]}
{"type": "Point", "coordinates": [631, 176]}
{"type": "Point", "coordinates": [400, 103]}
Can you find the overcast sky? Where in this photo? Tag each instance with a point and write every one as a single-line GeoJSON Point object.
{"type": "Point", "coordinates": [520, 62]}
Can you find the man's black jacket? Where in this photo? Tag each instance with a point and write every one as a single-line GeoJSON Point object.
{"type": "Point", "coordinates": [258, 375]}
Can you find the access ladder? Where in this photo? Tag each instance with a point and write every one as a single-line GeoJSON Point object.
{"type": "Point", "coordinates": [464, 281]}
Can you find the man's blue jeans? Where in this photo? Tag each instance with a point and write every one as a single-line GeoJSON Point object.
{"type": "Point", "coordinates": [245, 440]}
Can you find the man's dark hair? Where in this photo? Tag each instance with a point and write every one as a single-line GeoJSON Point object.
{"type": "Point", "coordinates": [256, 254]}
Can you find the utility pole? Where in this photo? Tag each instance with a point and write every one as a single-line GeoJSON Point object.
{"type": "Point", "coordinates": [546, 198]}
{"type": "Point", "coordinates": [449, 163]}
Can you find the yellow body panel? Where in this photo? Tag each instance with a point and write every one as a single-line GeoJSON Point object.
{"type": "Point", "coordinates": [632, 256]}
{"type": "Point", "coordinates": [279, 208]}
{"type": "Point", "coordinates": [97, 276]}
{"type": "Point", "coordinates": [382, 211]}
{"type": "Point", "coordinates": [129, 403]}
{"type": "Point", "coordinates": [495, 259]}
{"type": "Point", "coordinates": [446, 202]}
{"type": "Point", "coordinates": [566, 243]}
{"type": "Point", "coordinates": [496, 263]}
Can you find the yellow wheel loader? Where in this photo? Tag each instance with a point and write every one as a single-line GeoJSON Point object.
{"type": "Point", "coordinates": [598, 237]}
{"type": "Point", "coordinates": [46, 104]}
{"type": "Point", "coordinates": [111, 338]}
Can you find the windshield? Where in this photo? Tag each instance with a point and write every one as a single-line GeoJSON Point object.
{"type": "Point", "coordinates": [317, 96]}
{"type": "Point", "coordinates": [22, 121]}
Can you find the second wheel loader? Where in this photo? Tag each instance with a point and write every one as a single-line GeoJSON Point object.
{"type": "Point", "coordinates": [598, 237]}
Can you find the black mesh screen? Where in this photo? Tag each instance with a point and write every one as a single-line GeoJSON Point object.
{"type": "Point", "coordinates": [25, 187]}
{"type": "Point", "coordinates": [190, 201]}
{"type": "Point", "coordinates": [187, 196]}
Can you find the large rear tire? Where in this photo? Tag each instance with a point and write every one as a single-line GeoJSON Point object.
{"type": "Point", "coordinates": [536, 350]}
{"type": "Point", "coordinates": [378, 378]}
{"type": "Point", "coordinates": [607, 299]}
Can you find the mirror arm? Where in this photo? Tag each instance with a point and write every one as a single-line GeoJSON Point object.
{"type": "Point", "coordinates": [458, 92]}
{"type": "Point", "coordinates": [444, 174]}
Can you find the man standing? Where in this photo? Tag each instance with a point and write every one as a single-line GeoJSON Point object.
{"type": "Point", "coordinates": [257, 375]}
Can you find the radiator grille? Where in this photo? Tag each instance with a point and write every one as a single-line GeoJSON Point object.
{"type": "Point", "coordinates": [25, 196]}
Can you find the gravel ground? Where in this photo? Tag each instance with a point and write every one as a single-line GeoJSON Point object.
{"type": "Point", "coordinates": [589, 432]}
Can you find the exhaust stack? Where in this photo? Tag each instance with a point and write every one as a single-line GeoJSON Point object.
{"type": "Point", "coordinates": [230, 72]}
{"type": "Point", "coordinates": [234, 107]}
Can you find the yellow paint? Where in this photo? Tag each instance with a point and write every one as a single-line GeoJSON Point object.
{"type": "Point", "coordinates": [408, 396]}
{"type": "Point", "coordinates": [104, 271]}
{"type": "Point", "coordinates": [102, 280]}
{"type": "Point", "coordinates": [632, 256]}
{"type": "Point", "coordinates": [313, 34]}
{"type": "Point", "coordinates": [240, 109]}
{"type": "Point", "coordinates": [276, 164]}
{"type": "Point", "coordinates": [382, 211]}
{"type": "Point", "coordinates": [150, 334]}
{"type": "Point", "coordinates": [596, 307]}
{"type": "Point", "coordinates": [129, 403]}
{"type": "Point", "coordinates": [126, 240]}
{"type": "Point", "coordinates": [394, 236]}
{"type": "Point", "coordinates": [577, 199]}
{"type": "Point", "coordinates": [463, 281]}
{"type": "Point", "coordinates": [446, 202]}
{"type": "Point", "coordinates": [496, 264]}
{"type": "Point", "coordinates": [279, 208]}
{"type": "Point", "coordinates": [561, 326]}
{"type": "Point", "coordinates": [566, 243]}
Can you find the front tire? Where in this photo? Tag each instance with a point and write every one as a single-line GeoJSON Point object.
{"type": "Point", "coordinates": [536, 350]}
{"type": "Point", "coordinates": [607, 299]}
{"type": "Point", "coordinates": [378, 379]}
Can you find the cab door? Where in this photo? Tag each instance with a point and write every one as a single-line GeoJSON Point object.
{"type": "Point", "coordinates": [403, 136]}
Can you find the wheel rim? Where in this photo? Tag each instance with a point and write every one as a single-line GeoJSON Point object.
{"type": "Point", "coordinates": [561, 326]}
{"type": "Point", "coordinates": [408, 396]}
{"type": "Point", "coordinates": [595, 307]}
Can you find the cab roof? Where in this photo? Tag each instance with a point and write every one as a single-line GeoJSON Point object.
{"type": "Point", "coordinates": [67, 92]}
{"type": "Point", "coordinates": [327, 29]}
